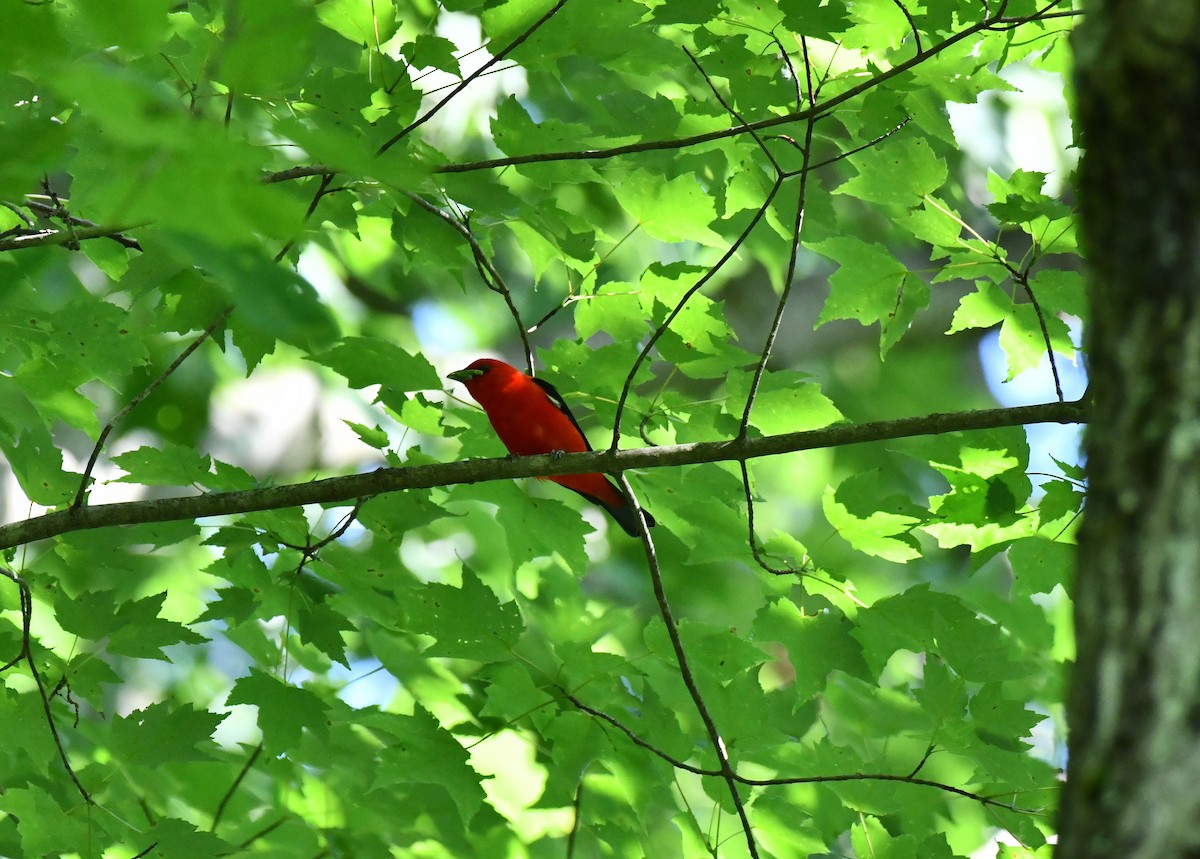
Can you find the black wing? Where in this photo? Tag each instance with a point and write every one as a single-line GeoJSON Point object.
{"type": "Point", "coordinates": [561, 405]}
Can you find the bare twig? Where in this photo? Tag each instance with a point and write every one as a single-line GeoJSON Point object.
{"type": "Point", "coordinates": [816, 110]}
{"type": "Point", "coordinates": [293, 173]}
{"type": "Point", "coordinates": [842, 156]}
{"type": "Point", "coordinates": [488, 272]}
{"type": "Point", "coordinates": [776, 323]}
{"type": "Point", "coordinates": [732, 111]}
{"type": "Point", "coordinates": [679, 305]}
{"type": "Point", "coordinates": [81, 495]}
{"type": "Point", "coordinates": [145, 852]}
{"type": "Point", "coordinates": [685, 671]}
{"type": "Point", "coordinates": [910, 778]}
{"type": "Point", "coordinates": [70, 237]}
{"type": "Point", "coordinates": [912, 25]}
{"type": "Point", "coordinates": [576, 805]}
{"type": "Point", "coordinates": [263, 833]}
{"type": "Point", "coordinates": [1022, 278]}
{"type": "Point", "coordinates": [312, 549]}
{"type": "Point", "coordinates": [508, 49]}
{"type": "Point", "coordinates": [27, 654]}
{"type": "Point", "coordinates": [237, 781]}
{"type": "Point", "coordinates": [322, 190]}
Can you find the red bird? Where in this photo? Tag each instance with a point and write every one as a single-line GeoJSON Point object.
{"type": "Point", "coordinates": [531, 417]}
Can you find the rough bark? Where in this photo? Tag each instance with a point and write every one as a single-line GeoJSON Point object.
{"type": "Point", "coordinates": [1133, 782]}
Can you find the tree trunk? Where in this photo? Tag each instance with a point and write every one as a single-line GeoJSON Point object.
{"type": "Point", "coordinates": [1133, 780]}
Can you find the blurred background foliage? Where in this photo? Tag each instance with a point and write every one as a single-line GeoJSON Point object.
{"type": "Point", "coordinates": [416, 686]}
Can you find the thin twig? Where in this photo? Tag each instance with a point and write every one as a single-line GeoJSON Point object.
{"type": "Point", "coordinates": [26, 599]}
{"type": "Point", "coordinates": [910, 778]}
{"type": "Point", "coordinates": [911, 23]}
{"type": "Point", "coordinates": [721, 134]}
{"type": "Point", "coordinates": [264, 832]}
{"type": "Point", "coordinates": [19, 212]}
{"type": "Point", "coordinates": [773, 331]}
{"type": "Point", "coordinates": [70, 237]}
{"type": "Point", "coordinates": [488, 272]}
{"type": "Point", "coordinates": [469, 79]}
{"type": "Point", "coordinates": [47, 210]}
{"type": "Point", "coordinates": [679, 305]}
{"type": "Point", "coordinates": [237, 781]}
{"type": "Point", "coordinates": [310, 551]}
{"type": "Point", "coordinates": [576, 805]}
{"type": "Point", "coordinates": [81, 495]}
{"type": "Point", "coordinates": [1023, 279]}
{"type": "Point", "coordinates": [842, 156]}
{"type": "Point", "coordinates": [1020, 277]}
{"type": "Point", "coordinates": [730, 109]}
{"type": "Point", "coordinates": [685, 671]}
{"type": "Point", "coordinates": [322, 190]}
{"type": "Point", "coordinates": [293, 173]}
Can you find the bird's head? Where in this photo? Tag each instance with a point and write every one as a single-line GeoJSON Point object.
{"type": "Point", "coordinates": [486, 372]}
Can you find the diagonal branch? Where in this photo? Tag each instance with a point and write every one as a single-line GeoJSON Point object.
{"type": "Point", "coordinates": [679, 305]}
{"type": "Point", "coordinates": [488, 272]}
{"type": "Point", "coordinates": [469, 79]}
{"type": "Point", "coordinates": [347, 489]}
{"type": "Point", "coordinates": [777, 322]}
{"type": "Point", "coordinates": [80, 496]}
{"type": "Point", "coordinates": [27, 654]}
{"type": "Point", "coordinates": [726, 770]}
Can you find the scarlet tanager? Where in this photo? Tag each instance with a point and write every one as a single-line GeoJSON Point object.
{"type": "Point", "coordinates": [531, 417]}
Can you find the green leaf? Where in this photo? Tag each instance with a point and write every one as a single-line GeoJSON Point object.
{"type": "Point", "coordinates": [673, 211]}
{"type": "Point", "coordinates": [159, 734]}
{"type": "Point", "coordinates": [367, 361]}
{"type": "Point", "coordinates": [423, 752]}
{"type": "Point", "coordinates": [923, 621]}
{"type": "Point", "coordinates": [30, 451]}
{"type": "Point", "coordinates": [467, 622]}
{"type": "Point", "coordinates": [361, 23]}
{"type": "Point", "coordinates": [877, 526]}
{"type": "Point", "coordinates": [370, 436]}
{"type": "Point", "coordinates": [871, 285]}
{"type": "Point", "coordinates": [1001, 720]}
{"type": "Point", "coordinates": [133, 628]}
{"type": "Point", "coordinates": [46, 828]}
{"type": "Point", "coordinates": [173, 837]}
{"type": "Point", "coordinates": [1024, 341]}
{"type": "Point", "coordinates": [983, 308]}
{"type": "Point", "coordinates": [284, 711]}
{"type": "Point", "coordinates": [171, 465]}
{"type": "Point", "coordinates": [433, 51]}
{"type": "Point", "coordinates": [902, 172]}
{"type": "Point", "coordinates": [1039, 565]}
{"type": "Point", "coordinates": [266, 45]}
{"type": "Point", "coordinates": [817, 645]}
{"type": "Point", "coordinates": [321, 626]}
{"type": "Point", "coordinates": [785, 402]}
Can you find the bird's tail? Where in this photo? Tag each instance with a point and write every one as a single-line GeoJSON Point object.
{"type": "Point", "coordinates": [624, 516]}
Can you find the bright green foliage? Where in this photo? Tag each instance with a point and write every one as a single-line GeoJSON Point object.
{"type": "Point", "coordinates": [471, 669]}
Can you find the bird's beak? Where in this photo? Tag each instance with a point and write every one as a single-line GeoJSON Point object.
{"type": "Point", "coordinates": [466, 374]}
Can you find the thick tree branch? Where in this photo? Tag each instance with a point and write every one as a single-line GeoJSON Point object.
{"type": "Point", "coordinates": [334, 490]}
